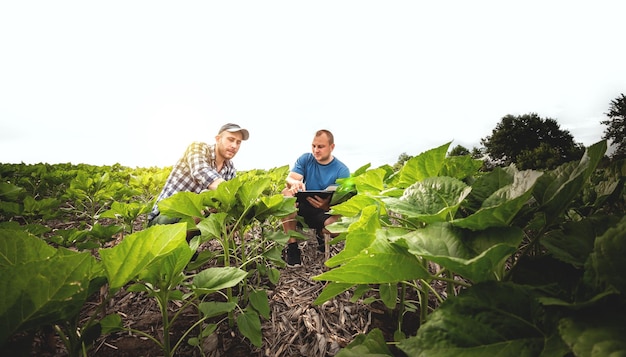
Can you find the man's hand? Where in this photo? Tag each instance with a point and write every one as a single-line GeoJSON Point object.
{"type": "Point", "coordinates": [294, 189]}
{"type": "Point", "coordinates": [294, 185]}
{"type": "Point", "coordinates": [318, 202]}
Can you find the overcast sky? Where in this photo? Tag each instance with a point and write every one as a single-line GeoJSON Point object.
{"type": "Point", "coordinates": [134, 82]}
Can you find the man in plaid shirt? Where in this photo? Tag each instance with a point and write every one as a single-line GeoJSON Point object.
{"type": "Point", "coordinates": [202, 167]}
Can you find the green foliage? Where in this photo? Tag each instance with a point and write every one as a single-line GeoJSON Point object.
{"type": "Point", "coordinates": [155, 260]}
{"type": "Point", "coordinates": [91, 194]}
{"type": "Point", "coordinates": [502, 319]}
{"type": "Point", "coordinates": [15, 201]}
{"type": "Point", "coordinates": [251, 202]}
{"type": "Point", "coordinates": [45, 208]}
{"type": "Point", "coordinates": [600, 333]}
{"type": "Point", "coordinates": [86, 197]}
{"type": "Point", "coordinates": [542, 157]}
{"type": "Point", "coordinates": [40, 180]}
{"type": "Point", "coordinates": [127, 212]}
{"type": "Point", "coordinates": [532, 260]}
{"type": "Point", "coordinates": [505, 240]}
{"type": "Point", "coordinates": [147, 182]}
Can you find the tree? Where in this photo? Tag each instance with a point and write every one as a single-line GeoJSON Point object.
{"type": "Point", "coordinates": [543, 156]}
{"type": "Point", "coordinates": [459, 150]}
{"type": "Point", "coordinates": [616, 126]}
{"type": "Point", "coordinates": [404, 157]}
{"type": "Point", "coordinates": [531, 143]}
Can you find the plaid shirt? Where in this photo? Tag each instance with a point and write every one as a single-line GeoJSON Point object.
{"type": "Point", "coordinates": [194, 172]}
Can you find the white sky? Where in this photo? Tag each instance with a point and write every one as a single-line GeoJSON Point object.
{"type": "Point", "coordinates": [134, 82]}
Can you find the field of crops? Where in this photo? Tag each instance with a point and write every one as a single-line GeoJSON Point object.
{"type": "Point", "coordinates": [531, 262]}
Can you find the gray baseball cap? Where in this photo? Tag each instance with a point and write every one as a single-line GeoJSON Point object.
{"type": "Point", "coordinates": [232, 128]}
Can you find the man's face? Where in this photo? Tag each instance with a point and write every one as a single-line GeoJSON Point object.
{"type": "Point", "coordinates": [322, 149]}
{"type": "Point", "coordinates": [227, 144]}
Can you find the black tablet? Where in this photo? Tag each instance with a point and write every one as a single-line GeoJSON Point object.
{"type": "Point", "coordinates": [302, 195]}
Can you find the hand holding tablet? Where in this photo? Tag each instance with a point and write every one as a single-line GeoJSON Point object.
{"type": "Point", "coordinates": [324, 194]}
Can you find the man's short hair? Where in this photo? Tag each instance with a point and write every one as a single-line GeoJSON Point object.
{"type": "Point", "coordinates": [331, 138]}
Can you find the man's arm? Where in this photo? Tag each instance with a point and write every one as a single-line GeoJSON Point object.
{"type": "Point", "coordinates": [213, 185]}
{"type": "Point", "coordinates": [294, 182]}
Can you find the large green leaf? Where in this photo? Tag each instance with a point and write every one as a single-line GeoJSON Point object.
{"type": "Point", "coordinates": [345, 189]}
{"type": "Point", "coordinates": [388, 294]}
{"type": "Point", "coordinates": [214, 279]}
{"type": "Point", "coordinates": [249, 325]}
{"type": "Point", "coordinates": [371, 181]}
{"type": "Point", "coordinates": [215, 308]}
{"type": "Point", "coordinates": [361, 234]}
{"type": "Point", "coordinates": [557, 283]}
{"type": "Point", "coordinates": [354, 206]}
{"type": "Point", "coordinates": [381, 262]}
{"type": "Point", "coordinates": [126, 260]}
{"type": "Point", "coordinates": [225, 197]}
{"type": "Point", "coordinates": [111, 323]}
{"type": "Point", "coordinates": [426, 164]}
{"type": "Point", "coordinates": [213, 226]}
{"type": "Point", "coordinates": [274, 206]}
{"type": "Point", "coordinates": [182, 204]}
{"type": "Point", "coordinates": [502, 206]}
{"type": "Point", "coordinates": [608, 255]}
{"type": "Point", "coordinates": [38, 292]}
{"type": "Point", "coordinates": [485, 185]}
{"type": "Point", "coordinates": [260, 302]}
{"type": "Point", "coordinates": [555, 190]}
{"type": "Point", "coordinates": [10, 192]}
{"type": "Point", "coordinates": [433, 199]}
{"type": "Point", "coordinates": [34, 228]}
{"type": "Point", "coordinates": [104, 233]}
{"type": "Point", "coordinates": [460, 167]}
{"type": "Point", "coordinates": [598, 333]}
{"type": "Point", "coordinates": [19, 247]}
{"type": "Point", "coordinates": [166, 270]}
{"type": "Point", "coordinates": [488, 319]}
{"type": "Point", "coordinates": [574, 242]}
{"type": "Point", "coordinates": [477, 256]}
{"type": "Point", "coordinates": [252, 190]}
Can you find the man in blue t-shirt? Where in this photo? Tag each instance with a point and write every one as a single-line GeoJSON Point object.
{"type": "Point", "coordinates": [313, 171]}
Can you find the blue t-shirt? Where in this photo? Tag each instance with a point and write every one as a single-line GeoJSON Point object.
{"type": "Point", "coordinates": [318, 176]}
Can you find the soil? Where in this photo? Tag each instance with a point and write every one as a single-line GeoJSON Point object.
{"type": "Point", "coordinates": [297, 327]}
